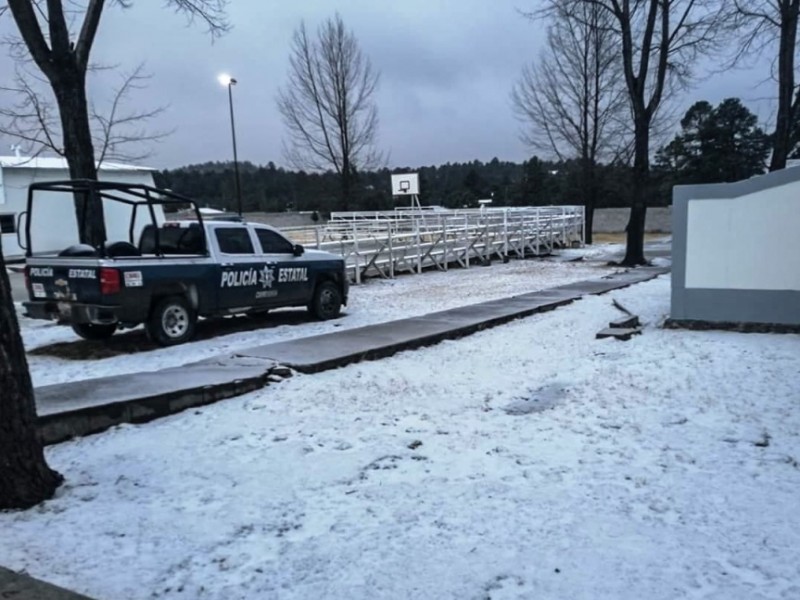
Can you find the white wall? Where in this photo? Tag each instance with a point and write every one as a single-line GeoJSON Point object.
{"type": "Point", "coordinates": [54, 224]}
{"type": "Point", "coordinates": [751, 242]}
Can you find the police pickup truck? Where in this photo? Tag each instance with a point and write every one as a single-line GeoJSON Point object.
{"type": "Point", "coordinates": [167, 273]}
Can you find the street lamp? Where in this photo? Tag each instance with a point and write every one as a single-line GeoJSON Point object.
{"type": "Point", "coordinates": [229, 81]}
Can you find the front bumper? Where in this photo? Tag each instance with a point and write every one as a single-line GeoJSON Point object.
{"type": "Point", "coordinates": [71, 312]}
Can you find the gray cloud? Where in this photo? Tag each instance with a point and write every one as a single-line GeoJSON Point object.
{"type": "Point", "coordinates": [446, 66]}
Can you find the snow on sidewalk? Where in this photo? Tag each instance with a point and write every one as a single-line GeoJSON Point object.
{"type": "Point", "coordinates": [526, 461]}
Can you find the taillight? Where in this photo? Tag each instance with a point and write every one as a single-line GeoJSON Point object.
{"type": "Point", "coordinates": [109, 281]}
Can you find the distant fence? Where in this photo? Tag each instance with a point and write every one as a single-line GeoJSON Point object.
{"type": "Point", "coordinates": [386, 243]}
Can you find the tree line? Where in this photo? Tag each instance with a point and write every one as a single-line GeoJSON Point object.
{"type": "Point", "coordinates": [715, 144]}
{"type": "Point", "coordinates": [535, 182]}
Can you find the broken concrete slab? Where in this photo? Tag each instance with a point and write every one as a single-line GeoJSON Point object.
{"type": "Point", "coordinates": [620, 333]}
{"type": "Point", "coordinates": [625, 322]}
{"type": "Point", "coordinates": [20, 586]}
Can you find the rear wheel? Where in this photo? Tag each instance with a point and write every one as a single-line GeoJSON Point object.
{"type": "Point", "coordinates": [172, 321]}
{"type": "Point", "coordinates": [93, 331]}
{"type": "Point", "coordinates": [327, 301]}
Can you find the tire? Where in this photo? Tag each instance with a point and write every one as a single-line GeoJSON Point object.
{"type": "Point", "coordinates": [326, 302]}
{"type": "Point", "coordinates": [172, 321]}
{"type": "Point", "coordinates": [92, 331]}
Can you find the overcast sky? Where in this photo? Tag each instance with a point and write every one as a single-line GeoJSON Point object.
{"type": "Point", "coordinates": [446, 69]}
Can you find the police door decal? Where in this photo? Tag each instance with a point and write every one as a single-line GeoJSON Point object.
{"type": "Point", "coordinates": [270, 283]}
{"type": "Point", "coordinates": [260, 280]}
{"type": "Point", "coordinates": [293, 274]}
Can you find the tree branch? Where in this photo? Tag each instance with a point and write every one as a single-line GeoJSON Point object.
{"type": "Point", "coordinates": [31, 32]}
{"type": "Point", "coordinates": [91, 22]}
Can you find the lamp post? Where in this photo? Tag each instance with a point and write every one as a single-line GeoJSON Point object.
{"type": "Point", "coordinates": [229, 81]}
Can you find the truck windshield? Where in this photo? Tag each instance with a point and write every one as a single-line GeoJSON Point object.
{"type": "Point", "coordinates": [173, 239]}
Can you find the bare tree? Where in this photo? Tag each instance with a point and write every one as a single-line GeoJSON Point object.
{"type": "Point", "coordinates": [117, 133]}
{"type": "Point", "coordinates": [327, 104]}
{"type": "Point", "coordinates": [63, 58]}
{"type": "Point", "coordinates": [61, 52]}
{"type": "Point", "coordinates": [659, 42]}
{"type": "Point", "coordinates": [763, 25]}
{"type": "Point", "coordinates": [572, 100]}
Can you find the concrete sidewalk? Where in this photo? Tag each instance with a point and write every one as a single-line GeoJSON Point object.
{"type": "Point", "coordinates": [18, 586]}
{"type": "Point", "coordinates": [74, 409]}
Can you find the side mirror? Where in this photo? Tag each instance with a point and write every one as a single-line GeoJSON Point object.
{"type": "Point", "coordinates": [298, 250]}
{"type": "Point", "coordinates": [20, 229]}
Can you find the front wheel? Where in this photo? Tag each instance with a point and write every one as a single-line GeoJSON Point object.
{"type": "Point", "coordinates": [172, 321]}
{"type": "Point", "coordinates": [327, 301]}
{"type": "Point", "coordinates": [93, 331]}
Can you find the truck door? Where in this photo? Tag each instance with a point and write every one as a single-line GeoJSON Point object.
{"type": "Point", "coordinates": [241, 272]}
{"type": "Point", "coordinates": [292, 280]}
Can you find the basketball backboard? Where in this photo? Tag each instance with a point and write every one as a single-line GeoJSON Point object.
{"type": "Point", "coordinates": [405, 184]}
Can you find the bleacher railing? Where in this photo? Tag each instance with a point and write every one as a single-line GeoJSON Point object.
{"type": "Point", "coordinates": [385, 243]}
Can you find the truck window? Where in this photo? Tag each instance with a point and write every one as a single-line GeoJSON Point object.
{"type": "Point", "coordinates": [234, 240]}
{"type": "Point", "coordinates": [173, 239]}
{"type": "Point", "coordinates": [7, 224]}
{"type": "Point", "coordinates": [273, 243]}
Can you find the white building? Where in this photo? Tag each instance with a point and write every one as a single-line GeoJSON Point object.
{"type": "Point", "coordinates": [55, 224]}
{"type": "Point", "coordinates": [736, 250]}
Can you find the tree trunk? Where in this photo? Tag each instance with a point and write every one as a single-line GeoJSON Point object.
{"type": "Point", "coordinates": [346, 183]}
{"type": "Point", "coordinates": [783, 122]}
{"type": "Point", "coordinates": [70, 92]}
{"type": "Point", "coordinates": [634, 251]}
{"type": "Point", "coordinates": [25, 478]}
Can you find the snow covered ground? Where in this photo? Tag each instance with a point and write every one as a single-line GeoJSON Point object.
{"type": "Point", "coordinates": [375, 301]}
{"type": "Point", "coordinates": [525, 461]}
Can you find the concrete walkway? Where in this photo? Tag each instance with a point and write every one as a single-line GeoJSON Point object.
{"type": "Point", "coordinates": [18, 586]}
{"type": "Point", "coordinates": [74, 409]}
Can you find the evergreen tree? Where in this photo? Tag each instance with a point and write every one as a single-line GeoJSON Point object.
{"type": "Point", "coordinates": [716, 144]}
